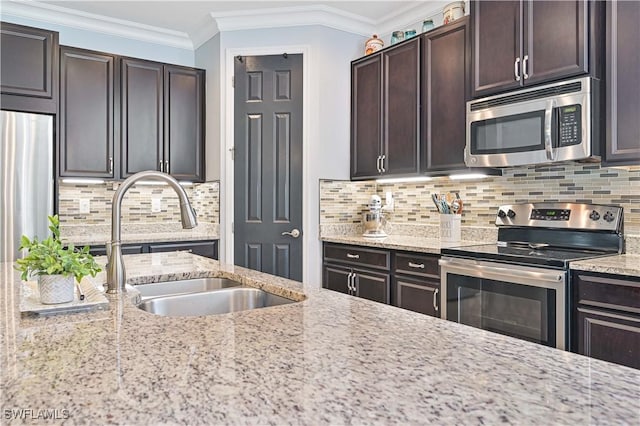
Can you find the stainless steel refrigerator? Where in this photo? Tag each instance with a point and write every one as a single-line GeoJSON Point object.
{"type": "Point", "coordinates": [26, 179]}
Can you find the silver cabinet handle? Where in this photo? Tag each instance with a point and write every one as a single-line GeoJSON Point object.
{"type": "Point", "coordinates": [111, 165]}
{"type": "Point", "coordinates": [295, 233]}
{"type": "Point", "coordinates": [353, 256]}
{"type": "Point", "coordinates": [350, 278]}
{"type": "Point", "coordinates": [384, 157]}
{"type": "Point", "coordinates": [416, 265]}
{"type": "Point", "coordinates": [435, 300]}
{"type": "Point", "coordinates": [525, 67]}
{"type": "Point", "coordinates": [516, 69]}
{"type": "Point", "coordinates": [378, 164]}
{"type": "Point", "coordinates": [166, 166]}
{"type": "Point", "coordinates": [161, 166]}
{"type": "Point", "coordinates": [353, 282]}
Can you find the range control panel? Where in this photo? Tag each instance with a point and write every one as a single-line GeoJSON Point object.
{"type": "Point", "coordinates": [562, 215]}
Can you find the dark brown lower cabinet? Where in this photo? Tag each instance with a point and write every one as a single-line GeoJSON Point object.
{"type": "Point", "coordinates": [606, 317]}
{"type": "Point", "coordinates": [416, 279]}
{"type": "Point", "coordinates": [371, 285]}
{"type": "Point", "coordinates": [418, 295]}
{"type": "Point", "coordinates": [208, 248]}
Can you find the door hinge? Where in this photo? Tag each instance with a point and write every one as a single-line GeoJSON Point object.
{"type": "Point", "coordinates": [233, 152]}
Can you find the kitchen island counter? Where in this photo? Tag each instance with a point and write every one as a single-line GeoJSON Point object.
{"type": "Point", "coordinates": [329, 359]}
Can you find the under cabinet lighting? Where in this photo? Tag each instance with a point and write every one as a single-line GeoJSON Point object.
{"type": "Point", "coordinates": [405, 179]}
{"type": "Point", "coordinates": [83, 181]}
{"type": "Point", "coordinates": [161, 183]}
{"type": "Point", "coordinates": [468, 176]}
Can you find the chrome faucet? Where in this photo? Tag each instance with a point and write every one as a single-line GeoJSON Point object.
{"type": "Point", "coordinates": [116, 276]}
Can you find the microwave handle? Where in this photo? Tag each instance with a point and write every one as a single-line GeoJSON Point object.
{"type": "Point", "coordinates": [548, 119]}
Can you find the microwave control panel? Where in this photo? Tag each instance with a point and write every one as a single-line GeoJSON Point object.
{"type": "Point", "coordinates": [569, 125]}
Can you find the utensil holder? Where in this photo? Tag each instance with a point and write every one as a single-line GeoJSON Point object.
{"type": "Point", "coordinates": [450, 227]}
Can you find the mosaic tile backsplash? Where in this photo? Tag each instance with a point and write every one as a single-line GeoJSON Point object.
{"type": "Point", "coordinates": [342, 202]}
{"type": "Point", "coordinates": [137, 203]}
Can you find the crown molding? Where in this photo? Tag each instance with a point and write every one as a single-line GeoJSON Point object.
{"type": "Point", "coordinates": [223, 21]}
{"type": "Point", "coordinates": [96, 23]}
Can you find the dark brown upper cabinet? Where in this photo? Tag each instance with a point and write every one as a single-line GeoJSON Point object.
{"type": "Point", "coordinates": [385, 107]}
{"type": "Point", "coordinates": [87, 110]}
{"type": "Point", "coordinates": [142, 116]}
{"type": "Point", "coordinates": [184, 122]}
{"type": "Point", "coordinates": [622, 83]}
{"type": "Point", "coordinates": [28, 68]}
{"type": "Point", "coordinates": [520, 43]}
{"type": "Point", "coordinates": [162, 119]}
{"type": "Point", "coordinates": [446, 56]}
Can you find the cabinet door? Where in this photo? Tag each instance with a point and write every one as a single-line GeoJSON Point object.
{"type": "Point", "coordinates": [609, 336]}
{"type": "Point", "coordinates": [418, 295]}
{"type": "Point", "coordinates": [28, 68]}
{"type": "Point", "coordinates": [202, 248]}
{"type": "Point", "coordinates": [184, 113]}
{"type": "Point", "coordinates": [366, 117]}
{"type": "Point", "coordinates": [401, 108]}
{"type": "Point", "coordinates": [336, 279]}
{"type": "Point", "coordinates": [622, 87]}
{"type": "Point", "coordinates": [497, 43]}
{"type": "Point", "coordinates": [373, 286]}
{"type": "Point", "coordinates": [87, 84]}
{"type": "Point", "coordinates": [445, 64]}
{"type": "Point", "coordinates": [142, 136]}
{"type": "Point", "coordinates": [555, 40]}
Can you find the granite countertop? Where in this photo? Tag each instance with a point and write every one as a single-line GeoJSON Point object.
{"type": "Point", "coordinates": [138, 233]}
{"type": "Point", "coordinates": [624, 264]}
{"type": "Point", "coordinates": [399, 242]}
{"type": "Point", "coordinates": [329, 359]}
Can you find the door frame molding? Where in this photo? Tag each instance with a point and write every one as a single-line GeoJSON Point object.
{"type": "Point", "coordinates": [227, 143]}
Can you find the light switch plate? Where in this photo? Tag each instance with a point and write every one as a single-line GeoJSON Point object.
{"type": "Point", "coordinates": [84, 205]}
{"type": "Point", "coordinates": [156, 205]}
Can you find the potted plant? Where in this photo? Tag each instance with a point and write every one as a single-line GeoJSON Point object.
{"type": "Point", "coordinates": [55, 265]}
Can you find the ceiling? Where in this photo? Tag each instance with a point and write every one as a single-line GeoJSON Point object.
{"type": "Point", "coordinates": [197, 21]}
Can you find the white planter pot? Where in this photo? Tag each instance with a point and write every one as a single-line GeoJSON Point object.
{"type": "Point", "coordinates": [56, 289]}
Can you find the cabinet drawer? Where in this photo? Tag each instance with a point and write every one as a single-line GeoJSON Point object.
{"type": "Point", "coordinates": [372, 258]}
{"type": "Point", "coordinates": [417, 264]}
{"type": "Point", "coordinates": [607, 292]}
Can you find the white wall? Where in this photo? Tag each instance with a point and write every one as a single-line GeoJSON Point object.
{"type": "Point", "coordinates": [207, 56]}
{"type": "Point", "coordinates": [327, 130]}
{"type": "Point", "coordinates": [109, 43]}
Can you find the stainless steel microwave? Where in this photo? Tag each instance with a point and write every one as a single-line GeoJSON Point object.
{"type": "Point", "coordinates": [543, 124]}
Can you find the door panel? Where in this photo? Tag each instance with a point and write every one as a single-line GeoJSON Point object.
{"type": "Point", "coordinates": [376, 287]}
{"type": "Point", "coordinates": [86, 134]}
{"type": "Point", "coordinates": [336, 279]}
{"type": "Point", "coordinates": [497, 44]}
{"type": "Point", "coordinates": [268, 164]}
{"type": "Point", "coordinates": [555, 37]}
{"type": "Point", "coordinates": [142, 118]}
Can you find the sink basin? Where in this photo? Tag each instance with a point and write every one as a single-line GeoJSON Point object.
{"type": "Point", "coordinates": [214, 302]}
{"type": "Point", "coordinates": [174, 288]}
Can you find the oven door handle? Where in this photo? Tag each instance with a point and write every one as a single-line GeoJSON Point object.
{"type": "Point", "coordinates": [548, 120]}
{"type": "Point", "coordinates": [491, 272]}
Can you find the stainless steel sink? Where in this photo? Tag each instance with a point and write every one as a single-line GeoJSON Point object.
{"type": "Point", "coordinates": [214, 302]}
{"type": "Point", "coordinates": [174, 288]}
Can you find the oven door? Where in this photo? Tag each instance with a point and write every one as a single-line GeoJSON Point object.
{"type": "Point", "coordinates": [523, 302]}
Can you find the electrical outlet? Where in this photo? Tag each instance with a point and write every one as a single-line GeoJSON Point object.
{"type": "Point", "coordinates": [84, 205]}
{"type": "Point", "coordinates": [156, 205]}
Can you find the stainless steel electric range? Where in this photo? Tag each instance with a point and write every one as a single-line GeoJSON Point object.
{"type": "Point", "coordinates": [520, 286]}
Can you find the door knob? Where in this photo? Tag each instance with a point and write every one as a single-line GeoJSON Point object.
{"type": "Point", "coordinates": [295, 233]}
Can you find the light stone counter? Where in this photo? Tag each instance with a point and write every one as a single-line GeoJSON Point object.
{"type": "Point", "coordinates": [98, 235]}
{"type": "Point", "coordinates": [625, 264]}
{"type": "Point", "coordinates": [330, 359]}
{"type": "Point", "coordinates": [398, 242]}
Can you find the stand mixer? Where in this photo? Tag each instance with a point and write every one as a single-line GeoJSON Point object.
{"type": "Point", "coordinates": [373, 219]}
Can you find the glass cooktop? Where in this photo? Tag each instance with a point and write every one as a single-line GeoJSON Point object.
{"type": "Point", "coordinates": [522, 254]}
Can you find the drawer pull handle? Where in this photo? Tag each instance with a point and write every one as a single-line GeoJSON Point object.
{"type": "Point", "coordinates": [435, 300]}
{"type": "Point", "coordinates": [416, 265]}
{"type": "Point", "coordinates": [353, 256]}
